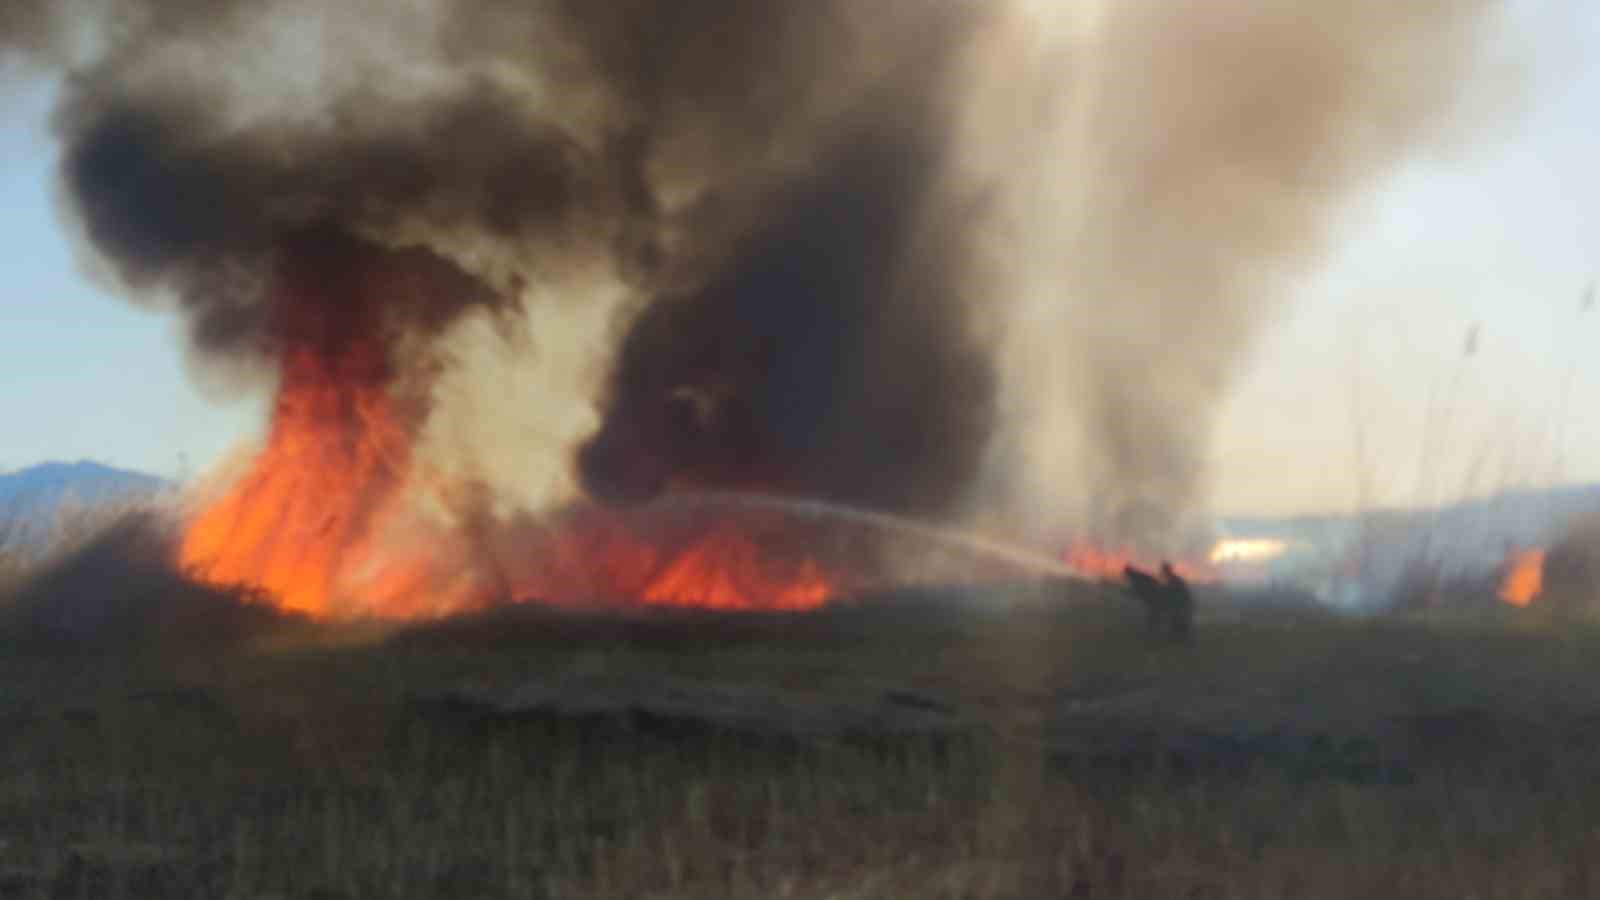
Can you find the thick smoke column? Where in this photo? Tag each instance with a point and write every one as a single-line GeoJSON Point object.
{"type": "Point", "coordinates": [1187, 179]}
{"type": "Point", "coordinates": [825, 267]}
{"type": "Point", "coordinates": [826, 359]}
{"type": "Point", "coordinates": [753, 173]}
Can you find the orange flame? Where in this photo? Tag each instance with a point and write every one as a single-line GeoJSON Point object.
{"type": "Point", "coordinates": [600, 557]}
{"type": "Point", "coordinates": [309, 526]}
{"type": "Point", "coordinates": [724, 570]}
{"type": "Point", "coordinates": [335, 452]}
{"type": "Point", "coordinates": [1247, 551]}
{"type": "Point", "coordinates": [321, 523]}
{"type": "Point", "coordinates": [1094, 561]}
{"type": "Point", "coordinates": [1524, 577]}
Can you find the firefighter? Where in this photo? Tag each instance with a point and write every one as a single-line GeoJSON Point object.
{"type": "Point", "coordinates": [1168, 603]}
{"type": "Point", "coordinates": [1180, 605]}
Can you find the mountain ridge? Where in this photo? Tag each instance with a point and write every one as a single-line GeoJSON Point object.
{"type": "Point", "coordinates": [39, 489]}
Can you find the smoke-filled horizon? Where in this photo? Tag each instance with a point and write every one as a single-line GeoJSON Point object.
{"type": "Point", "coordinates": [946, 259]}
{"type": "Point", "coordinates": [1193, 180]}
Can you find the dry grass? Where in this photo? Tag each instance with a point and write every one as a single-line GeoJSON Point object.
{"type": "Point", "coordinates": [316, 772]}
{"type": "Point", "coordinates": [28, 547]}
{"type": "Point", "coordinates": [1286, 755]}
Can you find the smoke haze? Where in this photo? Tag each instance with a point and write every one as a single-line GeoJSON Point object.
{"type": "Point", "coordinates": [927, 257]}
{"type": "Point", "coordinates": [1187, 181]}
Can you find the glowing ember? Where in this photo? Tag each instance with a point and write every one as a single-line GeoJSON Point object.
{"type": "Point", "coordinates": [1247, 550]}
{"type": "Point", "coordinates": [1524, 577]}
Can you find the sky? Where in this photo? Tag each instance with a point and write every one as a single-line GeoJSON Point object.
{"type": "Point", "coordinates": [87, 374]}
{"type": "Point", "coordinates": [1365, 392]}
{"type": "Point", "coordinates": [1441, 350]}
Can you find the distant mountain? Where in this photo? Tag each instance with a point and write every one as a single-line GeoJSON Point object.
{"type": "Point", "coordinates": [38, 491]}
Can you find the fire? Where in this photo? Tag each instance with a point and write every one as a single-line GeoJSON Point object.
{"type": "Point", "coordinates": [328, 518]}
{"type": "Point", "coordinates": [310, 526]}
{"type": "Point", "coordinates": [1094, 561]}
{"type": "Point", "coordinates": [299, 528]}
{"type": "Point", "coordinates": [1250, 551]}
{"type": "Point", "coordinates": [597, 556]}
{"type": "Point", "coordinates": [336, 450]}
{"type": "Point", "coordinates": [324, 519]}
{"type": "Point", "coordinates": [725, 570]}
{"type": "Point", "coordinates": [302, 525]}
{"type": "Point", "coordinates": [1524, 577]}
{"type": "Point", "coordinates": [311, 522]}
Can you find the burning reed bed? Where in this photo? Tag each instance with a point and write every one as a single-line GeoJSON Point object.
{"type": "Point", "coordinates": [1002, 742]}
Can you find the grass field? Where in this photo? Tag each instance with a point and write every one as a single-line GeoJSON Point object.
{"type": "Point", "coordinates": [1011, 741]}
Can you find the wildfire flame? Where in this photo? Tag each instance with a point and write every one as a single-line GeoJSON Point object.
{"type": "Point", "coordinates": [324, 519]}
{"type": "Point", "coordinates": [719, 572]}
{"type": "Point", "coordinates": [1094, 561]}
{"type": "Point", "coordinates": [759, 551]}
{"type": "Point", "coordinates": [1250, 551]}
{"type": "Point", "coordinates": [1524, 577]}
{"type": "Point", "coordinates": [600, 557]}
{"type": "Point", "coordinates": [335, 452]}
{"type": "Point", "coordinates": [307, 527]}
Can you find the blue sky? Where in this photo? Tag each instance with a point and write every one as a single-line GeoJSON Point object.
{"type": "Point", "coordinates": [86, 375]}
{"type": "Point", "coordinates": [1498, 229]}
{"type": "Point", "coordinates": [1500, 232]}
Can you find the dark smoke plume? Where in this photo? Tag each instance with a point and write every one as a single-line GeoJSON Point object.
{"type": "Point", "coordinates": [754, 172]}
{"type": "Point", "coordinates": [809, 364]}
{"type": "Point", "coordinates": [1190, 182]}
{"type": "Point", "coordinates": [790, 196]}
